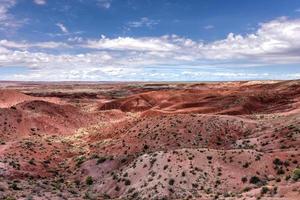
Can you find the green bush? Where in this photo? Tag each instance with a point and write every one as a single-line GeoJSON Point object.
{"type": "Point", "coordinates": [32, 162]}
{"type": "Point", "coordinates": [14, 186]}
{"type": "Point", "coordinates": [171, 181]}
{"type": "Point", "coordinates": [89, 180]}
{"type": "Point", "coordinates": [127, 182]}
{"type": "Point", "coordinates": [101, 160]}
{"type": "Point", "coordinates": [277, 161]}
{"type": "Point", "coordinates": [80, 160]}
{"type": "Point", "coordinates": [264, 190]}
{"type": "Point", "coordinates": [296, 174]}
{"type": "Point", "coordinates": [244, 179]}
{"type": "Point", "coordinates": [254, 180]}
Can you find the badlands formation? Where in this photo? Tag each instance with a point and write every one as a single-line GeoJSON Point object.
{"type": "Point", "coordinates": [203, 141]}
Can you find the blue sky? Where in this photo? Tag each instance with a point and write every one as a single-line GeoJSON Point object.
{"type": "Point", "coordinates": [149, 40]}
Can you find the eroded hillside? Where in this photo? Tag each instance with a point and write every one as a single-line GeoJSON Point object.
{"type": "Point", "coordinates": [234, 140]}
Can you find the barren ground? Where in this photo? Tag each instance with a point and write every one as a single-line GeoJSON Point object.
{"type": "Point", "coordinates": [230, 140]}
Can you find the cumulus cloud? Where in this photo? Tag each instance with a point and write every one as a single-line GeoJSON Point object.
{"type": "Point", "coordinates": [40, 2]}
{"type": "Point", "coordinates": [275, 42]}
{"type": "Point", "coordinates": [134, 44]}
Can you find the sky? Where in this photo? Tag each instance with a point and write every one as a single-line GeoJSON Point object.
{"type": "Point", "coordinates": [149, 40]}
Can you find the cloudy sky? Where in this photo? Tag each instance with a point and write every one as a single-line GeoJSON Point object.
{"type": "Point", "coordinates": [149, 40]}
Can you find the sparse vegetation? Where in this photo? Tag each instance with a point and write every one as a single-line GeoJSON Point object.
{"type": "Point", "coordinates": [254, 180]}
{"type": "Point", "coordinates": [264, 190]}
{"type": "Point", "coordinates": [101, 160]}
{"type": "Point", "coordinates": [171, 181]}
{"type": "Point", "coordinates": [144, 153]}
{"type": "Point", "coordinates": [296, 174]}
{"type": "Point", "coordinates": [89, 180]}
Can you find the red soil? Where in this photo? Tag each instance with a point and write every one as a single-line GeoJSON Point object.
{"type": "Point", "coordinates": [236, 140]}
{"type": "Point", "coordinates": [11, 97]}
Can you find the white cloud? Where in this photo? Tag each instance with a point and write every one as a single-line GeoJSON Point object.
{"type": "Point", "coordinates": [6, 19]}
{"type": "Point", "coordinates": [12, 44]}
{"type": "Point", "coordinates": [62, 27]}
{"type": "Point", "coordinates": [75, 39]}
{"type": "Point", "coordinates": [241, 75]}
{"type": "Point", "coordinates": [23, 45]}
{"type": "Point", "coordinates": [128, 43]}
{"type": "Point", "coordinates": [207, 27]}
{"type": "Point", "coordinates": [297, 10]}
{"type": "Point", "coordinates": [55, 35]}
{"type": "Point", "coordinates": [275, 42]}
{"type": "Point", "coordinates": [40, 2]}
{"type": "Point", "coordinates": [5, 5]}
{"type": "Point", "coordinates": [143, 22]}
{"type": "Point", "coordinates": [104, 3]}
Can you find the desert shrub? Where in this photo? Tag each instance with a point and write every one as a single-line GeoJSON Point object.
{"type": "Point", "coordinates": [254, 180]}
{"type": "Point", "coordinates": [94, 156]}
{"type": "Point", "coordinates": [295, 162]}
{"type": "Point", "coordinates": [277, 161]}
{"type": "Point", "coordinates": [286, 163]}
{"type": "Point", "coordinates": [146, 147]}
{"type": "Point", "coordinates": [80, 160]}
{"type": "Point", "coordinates": [244, 179]}
{"type": "Point", "coordinates": [280, 171]}
{"type": "Point", "coordinates": [246, 189]}
{"type": "Point", "coordinates": [101, 160]}
{"type": "Point", "coordinates": [14, 164]}
{"type": "Point", "coordinates": [89, 180]}
{"type": "Point", "coordinates": [152, 161]}
{"type": "Point", "coordinates": [117, 188]}
{"type": "Point", "coordinates": [296, 174]}
{"type": "Point", "coordinates": [47, 162]}
{"type": "Point", "coordinates": [246, 165]}
{"type": "Point", "coordinates": [14, 186]}
{"type": "Point", "coordinates": [31, 161]}
{"type": "Point", "coordinates": [264, 190]}
{"type": "Point", "coordinates": [171, 181]}
{"type": "Point", "coordinates": [127, 182]}
{"type": "Point", "coordinates": [275, 190]}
